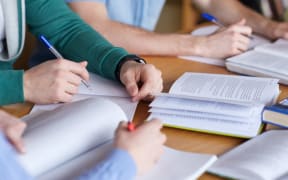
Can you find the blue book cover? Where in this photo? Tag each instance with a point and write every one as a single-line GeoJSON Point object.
{"type": "Point", "coordinates": [277, 114]}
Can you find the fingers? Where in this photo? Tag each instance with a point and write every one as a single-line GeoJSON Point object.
{"type": "Point", "coordinates": [130, 82]}
{"type": "Point", "coordinates": [74, 67]}
{"type": "Point", "coordinates": [241, 28]}
{"type": "Point", "coordinates": [154, 124]}
{"type": "Point", "coordinates": [14, 135]}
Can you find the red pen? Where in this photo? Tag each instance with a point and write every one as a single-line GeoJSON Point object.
{"type": "Point", "coordinates": [130, 126]}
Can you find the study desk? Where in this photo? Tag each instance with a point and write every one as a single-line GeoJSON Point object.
{"type": "Point", "coordinates": [172, 68]}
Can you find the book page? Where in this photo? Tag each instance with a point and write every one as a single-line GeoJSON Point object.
{"type": "Point", "coordinates": [192, 165]}
{"type": "Point", "coordinates": [207, 30]}
{"type": "Point", "coordinates": [211, 125]}
{"type": "Point", "coordinates": [103, 87]}
{"type": "Point", "coordinates": [175, 164]}
{"type": "Point", "coordinates": [278, 48]}
{"type": "Point", "coordinates": [263, 61]}
{"type": "Point", "coordinates": [222, 109]}
{"type": "Point", "coordinates": [226, 88]}
{"type": "Point", "coordinates": [56, 136]}
{"type": "Point", "coordinates": [264, 157]}
{"type": "Point", "coordinates": [126, 104]}
{"type": "Point", "coordinates": [200, 114]}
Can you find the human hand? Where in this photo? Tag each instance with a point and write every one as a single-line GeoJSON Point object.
{"type": "Point", "coordinates": [13, 129]}
{"type": "Point", "coordinates": [226, 42]}
{"type": "Point", "coordinates": [141, 80]}
{"type": "Point", "coordinates": [275, 30]}
{"type": "Point", "coordinates": [145, 144]}
{"type": "Point", "coordinates": [54, 81]}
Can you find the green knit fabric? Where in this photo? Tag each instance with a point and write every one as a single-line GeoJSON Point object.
{"type": "Point", "coordinates": [73, 38]}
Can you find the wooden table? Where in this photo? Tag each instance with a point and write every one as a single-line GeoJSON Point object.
{"type": "Point", "coordinates": [172, 68]}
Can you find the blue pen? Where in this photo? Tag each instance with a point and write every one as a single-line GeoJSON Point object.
{"type": "Point", "coordinates": [214, 20]}
{"type": "Point", "coordinates": [57, 54]}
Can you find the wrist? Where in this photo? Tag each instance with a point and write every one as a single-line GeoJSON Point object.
{"type": "Point", "coordinates": [26, 87]}
{"type": "Point", "coordinates": [125, 60]}
{"type": "Point", "coordinates": [192, 45]}
{"type": "Point", "coordinates": [267, 29]}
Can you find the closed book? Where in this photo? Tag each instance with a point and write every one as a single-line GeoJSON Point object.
{"type": "Point", "coordinates": [261, 158]}
{"type": "Point", "coordinates": [277, 114]}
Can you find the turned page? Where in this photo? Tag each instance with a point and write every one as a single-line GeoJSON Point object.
{"type": "Point", "coordinates": [264, 157]}
{"type": "Point", "coordinates": [59, 135]}
{"type": "Point", "coordinates": [269, 63]}
{"type": "Point", "coordinates": [278, 48]}
{"type": "Point", "coordinates": [226, 88]}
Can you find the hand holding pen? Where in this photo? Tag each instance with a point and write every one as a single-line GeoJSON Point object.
{"type": "Point", "coordinates": [214, 20]}
{"type": "Point", "coordinates": [57, 54]}
{"type": "Point", "coordinates": [229, 41]}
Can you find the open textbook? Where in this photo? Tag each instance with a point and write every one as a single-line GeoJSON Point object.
{"type": "Point", "coordinates": [261, 158]}
{"type": "Point", "coordinates": [98, 86]}
{"type": "Point", "coordinates": [269, 60]}
{"type": "Point", "coordinates": [214, 103]}
{"type": "Point", "coordinates": [69, 140]}
{"type": "Point", "coordinates": [207, 30]}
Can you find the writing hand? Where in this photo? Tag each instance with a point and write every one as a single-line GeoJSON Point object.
{"type": "Point", "coordinates": [54, 81]}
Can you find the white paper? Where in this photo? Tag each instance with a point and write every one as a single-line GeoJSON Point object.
{"type": "Point", "coordinates": [103, 87]}
{"type": "Point", "coordinates": [226, 87]}
{"type": "Point", "coordinates": [196, 114]}
{"type": "Point", "coordinates": [222, 109]}
{"type": "Point", "coordinates": [211, 125]}
{"type": "Point", "coordinates": [126, 104]}
{"type": "Point", "coordinates": [179, 165]}
{"type": "Point", "coordinates": [192, 165]}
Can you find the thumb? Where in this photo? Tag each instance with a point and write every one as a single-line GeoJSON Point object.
{"type": "Point", "coordinates": [241, 22]}
{"type": "Point", "coordinates": [84, 63]}
{"type": "Point", "coordinates": [14, 134]}
{"type": "Point", "coordinates": [131, 85]}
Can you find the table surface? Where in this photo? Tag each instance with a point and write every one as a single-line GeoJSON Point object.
{"type": "Point", "coordinates": [172, 68]}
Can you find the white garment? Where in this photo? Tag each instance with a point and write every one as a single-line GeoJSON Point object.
{"type": "Point", "coordinates": [2, 29]}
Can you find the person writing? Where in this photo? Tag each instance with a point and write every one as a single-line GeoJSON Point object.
{"type": "Point", "coordinates": [126, 23]}
{"type": "Point", "coordinates": [233, 11]}
{"type": "Point", "coordinates": [134, 153]}
{"type": "Point", "coordinates": [81, 46]}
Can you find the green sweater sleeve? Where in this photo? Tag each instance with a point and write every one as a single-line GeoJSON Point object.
{"type": "Point", "coordinates": [11, 87]}
{"type": "Point", "coordinates": [73, 38]}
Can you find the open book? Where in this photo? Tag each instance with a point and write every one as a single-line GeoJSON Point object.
{"type": "Point", "coordinates": [207, 30]}
{"type": "Point", "coordinates": [214, 103]}
{"type": "Point", "coordinates": [261, 158]}
{"type": "Point", "coordinates": [69, 140]}
{"type": "Point", "coordinates": [269, 60]}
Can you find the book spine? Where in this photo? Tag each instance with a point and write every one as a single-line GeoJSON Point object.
{"type": "Point", "coordinates": [277, 108]}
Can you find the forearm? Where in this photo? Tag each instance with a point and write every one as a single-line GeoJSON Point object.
{"type": "Point", "coordinates": [134, 39]}
{"type": "Point", "coordinates": [72, 37]}
{"type": "Point", "coordinates": [231, 11]}
{"type": "Point", "coordinates": [139, 41]}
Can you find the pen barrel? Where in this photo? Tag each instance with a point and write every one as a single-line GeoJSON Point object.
{"type": "Point", "coordinates": [56, 53]}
